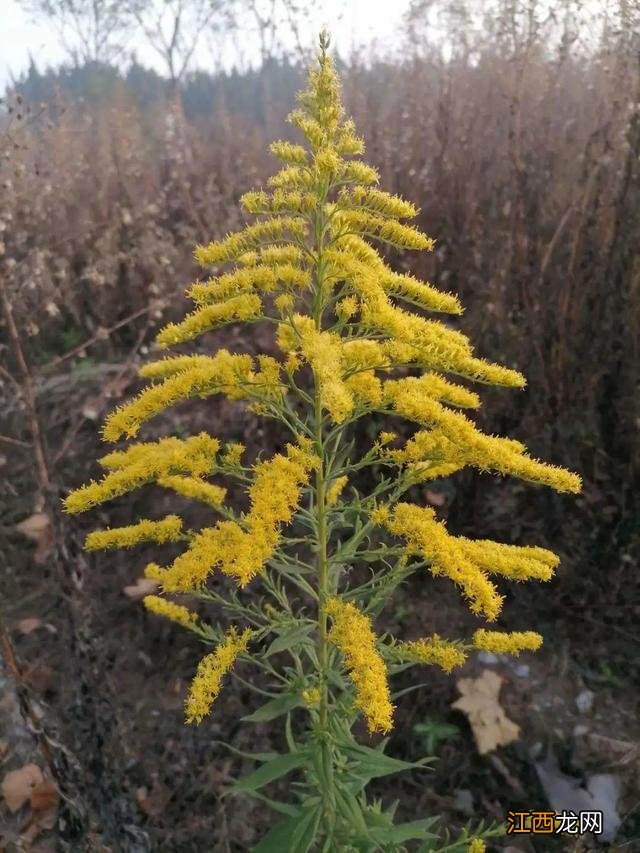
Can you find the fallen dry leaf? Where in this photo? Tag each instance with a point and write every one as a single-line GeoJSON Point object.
{"type": "Point", "coordinates": [18, 785]}
{"type": "Point", "coordinates": [34, 526]}
{"type": "Point", "coordinates": [29, 624]}
{"type": "Point", "coordinates": [44, 547]}
{"type": "Point", "coordinates": [142, 587]}
{"type": "Point", "coordinates": [479, 701]}
{"type": "Point", "coordinates": [154, 802]}
{"type": "Point", "coordinates": [39, 822]}
{"type": "Point", "coordinates": [436, 498]}
{"type": "Point", "coordinates": [92, 409]}
{"type": "Point", "coordinates": [44, 796]}
{"type": "Point", "coordinates": [39, 677]}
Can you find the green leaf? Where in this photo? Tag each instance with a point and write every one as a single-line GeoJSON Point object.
{"type": "Point", "coordinates": [254, 756]}
{"type": "Point", "coordinates": [274, 708]}
{"type": "Point", "coordinates": [289, 639]}
{"type": "Point", "coordinates": [350, 811]}
{"type": "Point", "coordinates": [292, 835]}
{"type": "Point", "coordinates": [276, 805]}
{"type": "Point", "coordinates": [373, 763]}
{"type": "Point", "coordinates": [288, 733]}
{"type": "Point", "coordinates": [416, 829]}
{"type": "Point", "coordinates": [271, 770]}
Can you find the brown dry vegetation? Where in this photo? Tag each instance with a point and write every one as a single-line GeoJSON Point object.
{"type": "Point", "coordinates": [525, 161]}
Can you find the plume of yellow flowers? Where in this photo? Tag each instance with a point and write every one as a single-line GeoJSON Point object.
{"type": "Point", "coordinates": [352, 634]}
{"type": "Point", "coordinates": [211, 670]}
{"type": "Point", "coordinates": [170, 610]}
{"type": "Point", "coordinates": [169, 529]}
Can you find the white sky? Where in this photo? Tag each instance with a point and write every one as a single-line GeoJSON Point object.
{"type": "Point", "coordinates": [352, 23]}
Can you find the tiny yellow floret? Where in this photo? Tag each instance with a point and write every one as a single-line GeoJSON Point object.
{"type": "Point", "coordinates": [311, 697]}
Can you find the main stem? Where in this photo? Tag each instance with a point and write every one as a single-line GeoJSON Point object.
{"type": "Point", "coordinates": [324, 591]}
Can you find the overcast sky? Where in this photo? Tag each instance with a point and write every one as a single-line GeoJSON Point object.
{"type": "Point", "coordinates": [361, 22]}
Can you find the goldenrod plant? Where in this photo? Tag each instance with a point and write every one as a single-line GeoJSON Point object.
{"type": "Point", "coordinates": [316, 554]}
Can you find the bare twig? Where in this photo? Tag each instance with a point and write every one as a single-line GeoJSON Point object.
{"type": "Point", "coordinates": [100, 335]}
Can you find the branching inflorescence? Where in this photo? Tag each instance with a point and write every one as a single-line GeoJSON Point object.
{"type": "Point", "coordinates": [325, 551]}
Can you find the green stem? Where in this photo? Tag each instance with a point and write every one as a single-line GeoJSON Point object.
{"type": "Point", "coordinates": [324, 591]}
{"type": "Point", "coordinates": [323, 642]}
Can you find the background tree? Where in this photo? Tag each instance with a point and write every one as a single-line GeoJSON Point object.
{"type": "Point", "coordinates": [175, 28]}
{"type": "Point", "coordinates": [89, 30]}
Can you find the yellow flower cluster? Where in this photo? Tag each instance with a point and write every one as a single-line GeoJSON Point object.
{"type": "Point", "coordinates": [357, 172]}
{"type": "Point", "coordinates": [376, 202]}
{"type": "Point", "coordinates": [280, 201]}
{"type": "Point", "coordinates": [211, 670]}
{"type": "Point", "coordinates": [419, 293]}
{"type": "Point", "coordinates": [335, 490]}
{"type": "Point", "coordinates": [311, 697]}
{"type": "Point", "coordinates": [169, 529]}
{"type": "Point", "coordinates": [233, 375]}
{"type": "Point", "coordinates": [146, 462]}
{"type": "Point", "coordinates": [516, 562]}
{"type": "Point", "coordinates": [321, 350]}
{"type": "Point", "coordinates": [467, 561]}
{"type": "Point", "coordinates": [310, 251]}
{"type": "Point", "coordinates": [241, 550]}
{"type": "Point", "coordinates": [379, 514]}
{"type": "Point", "coordinates": [351, 633]}
{"type": "Point", "coordinates": [262, 277]}
{"type": "Point", "coordinates": [412, 339]}
{"type": "Point", "coordinates": [344, 370]}
{"type": "Point", "coordinates": [287, 152]}
{"type": "Point", "coordinates": [273, 256]}
{"type": "Point", "coordinates": [363, 223]}
{"type": "Point", "coordinates": [153, 572]}
{"type": "Point", "coordinates": [455, 440]}
{"type": "Point", "coordinates": [366, 389]}
{"type": "Point", "coordinates": [403, 393]}
{"type": "Point", "coordinates": [232, 455]}
{"type": "Point", "coordinates": [246, 306]}
{"type": "Point", "coordinates": [347, 307]}
{"type": "Point", "coordinates": [172, 365]}
{"type": "Point", "coordinates": [170, 610]}
{"type": "Point", "coordinates": [279, 229]}
{"type": "Point", "coordinates": [330, 140]}
{"type": "Point", "coordinates": [428, 537]}
{"type": "Point", "coordinates": [477, 846]}
{"type": "Point", "coordinates": [197, 490]}
{"type": "Point", "coordinates": [431, 650]}
{"type": "Point", "coordinates": [293, 178]}
{"type": "Point", "coordinates": [510, 644]}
